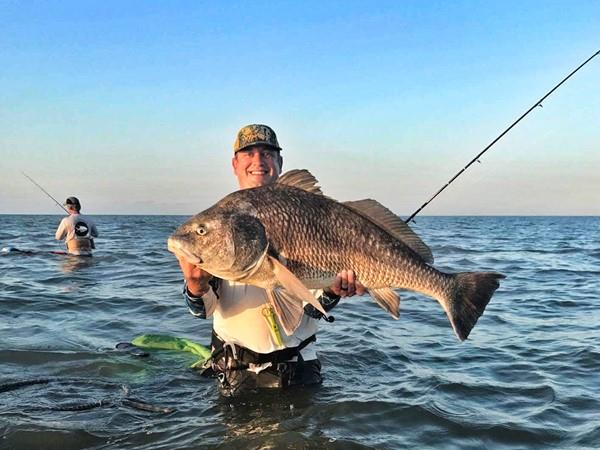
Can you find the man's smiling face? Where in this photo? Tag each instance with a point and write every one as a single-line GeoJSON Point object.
{"type": "Point", "coordinates": [256, 166]}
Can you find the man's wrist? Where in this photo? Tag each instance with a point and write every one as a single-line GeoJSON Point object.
{"type": "Point", "coordinates": [195, 291]}
{"type": "Point", "coordinates": [194, 303]}
{"type": "Point", "coordinates": [329, 300]}
{"type": "Point", "coordinates": [330, 295]}
{"type": "Point", "coordinates": [196, 288]}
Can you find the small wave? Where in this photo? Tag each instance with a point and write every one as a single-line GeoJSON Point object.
{"type": "Point", "coordinates": [543, 393]}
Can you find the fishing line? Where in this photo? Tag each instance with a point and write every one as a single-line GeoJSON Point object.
{"type": "Point", "coordinates": [45, 192]}
{"type": "Point", "coordinates": [536, 104]}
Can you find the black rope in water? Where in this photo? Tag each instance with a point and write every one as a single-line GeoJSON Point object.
{"type": "Point", "coordinates": [82, 406]}
{"type": "Point", "coordinates": [126, 401]}
{"type": "Point", "coordinates": [5, 387]}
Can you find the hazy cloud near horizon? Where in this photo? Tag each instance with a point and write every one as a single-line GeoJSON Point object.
{"type": "Point", "coordinates": [133, 107]}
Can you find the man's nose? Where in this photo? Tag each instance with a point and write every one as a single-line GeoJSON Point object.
{"type": "Point", "coordinates": [258, 157]}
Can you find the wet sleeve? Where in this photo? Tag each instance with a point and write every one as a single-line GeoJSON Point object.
{"type": "Point", "coordinates": [61, 231]}
{"type": "Point", "coordinates": [94, 230]}
{"type": "Point", "coordinates": [195, 305]}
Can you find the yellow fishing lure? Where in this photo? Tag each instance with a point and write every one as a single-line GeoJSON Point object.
{"type": "Point", "coordinates": [269, 316]}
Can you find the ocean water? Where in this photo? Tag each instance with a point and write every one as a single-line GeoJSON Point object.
{"type": "Point", "coordinates": [528, 376]}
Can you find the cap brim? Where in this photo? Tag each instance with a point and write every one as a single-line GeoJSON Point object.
{"type": "Point", "coordinates": [254, 144]}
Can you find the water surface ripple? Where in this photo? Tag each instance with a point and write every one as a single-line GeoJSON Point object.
{"type": "Point", "coordinates": [528, 376]}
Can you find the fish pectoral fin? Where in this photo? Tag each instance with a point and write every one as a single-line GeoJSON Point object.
{"type": "Point", "coordinates": [288, 281]}
{"type": "Point", "coordinates": [388, 299]}
{"type": "Point", "coordinates": [288, 309]}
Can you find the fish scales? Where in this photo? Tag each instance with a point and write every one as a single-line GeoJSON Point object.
{"type": "Point", "coordinates": [319, 237]}
{"type": "Point", "coordinates": [287, 237]}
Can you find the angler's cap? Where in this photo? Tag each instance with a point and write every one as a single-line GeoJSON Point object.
{"type": "Point", "coordinates": [73, 202]}
{"type": "Point", "coordinates": [255, 134]}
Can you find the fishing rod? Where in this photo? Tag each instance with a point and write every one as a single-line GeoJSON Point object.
{"type": "Point", "coordinates": [45, 192]}
{"type": "Point", "coordinates": [535, 105]}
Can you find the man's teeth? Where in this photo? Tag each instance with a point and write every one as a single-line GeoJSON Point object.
{"type": "Point", "coordinates": [258, 172]}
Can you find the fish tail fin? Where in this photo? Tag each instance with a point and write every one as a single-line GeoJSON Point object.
{"type": "Point", "coordinates": [469, 296]}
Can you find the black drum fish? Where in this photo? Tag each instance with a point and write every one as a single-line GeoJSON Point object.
{"type": "Point", "coordinates": [287, 237]}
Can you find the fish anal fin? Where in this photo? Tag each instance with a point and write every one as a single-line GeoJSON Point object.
{"type": "Point", "coordinates": [287, 308]}
{"type": "Point", "coordinates": [301, 179]}
{"type": "Point", "coordinates": [388, 299]}
{"type": "Point", "coordinates": [394, 225]}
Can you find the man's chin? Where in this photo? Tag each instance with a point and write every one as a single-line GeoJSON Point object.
{"type": "Point", "coordinates": [258, 181]}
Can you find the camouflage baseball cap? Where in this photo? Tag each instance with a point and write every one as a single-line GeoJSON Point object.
{"type": "Point", "coordinates": [255, 134]}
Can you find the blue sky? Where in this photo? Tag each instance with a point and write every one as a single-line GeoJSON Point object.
{"type": "Point", "coordinates": [134, 105]}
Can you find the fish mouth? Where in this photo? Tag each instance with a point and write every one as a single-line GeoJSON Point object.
{"type": "Point", "coordinates": [178, 248]}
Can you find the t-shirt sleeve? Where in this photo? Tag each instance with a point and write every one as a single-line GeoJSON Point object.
{"type": "Point", "coordinates": [61, 230]}
{"type": "Point", "coordinates": [94, 230]}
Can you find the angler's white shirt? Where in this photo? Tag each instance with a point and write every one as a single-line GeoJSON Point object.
{"type": "Point", "coordinates": [238, 318]}
{"type": "Point", "coordinates": [76, 227]}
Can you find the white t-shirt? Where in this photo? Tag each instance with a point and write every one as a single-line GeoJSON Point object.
{"type": "Point", "coordinates": [239, 318]}
{"type": "Point", "coordinates": [76, 227]}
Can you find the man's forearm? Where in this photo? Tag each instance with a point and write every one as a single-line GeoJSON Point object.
{"type": "Point", "coordinates": [197, 288]}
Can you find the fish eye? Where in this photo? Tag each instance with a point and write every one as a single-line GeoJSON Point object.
{"type": "Point", "coordinates": [201, 230]}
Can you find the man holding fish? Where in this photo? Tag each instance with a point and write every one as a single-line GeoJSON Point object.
{"type": "Point", "coordinates": [279, 237]}
{"type": "Point", "coordinates": [250, 350]}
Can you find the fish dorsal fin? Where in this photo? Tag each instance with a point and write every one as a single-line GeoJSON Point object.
{"type": "Point", "coordinates": [301, 179]}
{"type": "Point", "coordinates": [390, 222]}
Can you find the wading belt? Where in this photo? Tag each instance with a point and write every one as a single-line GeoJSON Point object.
{"type": "Point", "coordinates": [247, 356]}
